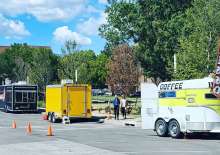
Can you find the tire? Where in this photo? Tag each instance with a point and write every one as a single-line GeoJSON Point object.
{"type": "Point", "coordinates": [161, 128]}
{"type": "Point", "coordinates": [53, 118]}
{"type": "Point", "coordinates": [49, 117]}
{"type": "Point", "coordinates": [174, 129]}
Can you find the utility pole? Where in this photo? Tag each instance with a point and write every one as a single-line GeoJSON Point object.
{"type": "Point", "coordinates": [208, 50]}
{"type": "Point", "coordinates": [76, 76]}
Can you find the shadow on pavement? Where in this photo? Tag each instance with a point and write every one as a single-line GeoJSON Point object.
{"type": "Point", "coordinates": [203, 136]}
{"type": "Point", "coordinates": [98, 119]}
{"type": "Point", "coordinates": [39, 111]}
{"type": "Point", "coordinates": [195, 136]}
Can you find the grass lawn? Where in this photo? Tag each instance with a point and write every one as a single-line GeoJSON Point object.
{"type": "Point", "coordinates": [100, 103]}
{"type": "Point", "coordinates": [41, 104]}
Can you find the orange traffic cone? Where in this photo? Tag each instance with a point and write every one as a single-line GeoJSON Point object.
{"type": "Point", "coordinates": [14, 126]}
{"type": "Point", "coordinates": [29, 129]}
{"type": "Point", "coordinates": [50, 131]}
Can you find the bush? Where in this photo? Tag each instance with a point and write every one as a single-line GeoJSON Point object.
{"type": "Point", "coordinates": [136, 110]}
{"type": "Point", "coordinates": [41, 104]}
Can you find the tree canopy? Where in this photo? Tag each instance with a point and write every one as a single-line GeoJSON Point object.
{"type": "Point", "coordinates": [196, 56]}
{"type": "Point", "coordinates": [91, 68]}
{"type": "Point", "coordinates": [123, 71]}
{"type": "Point", "coordinates": [41, 66]}
{"type": "Point", "coordinates": [21, 62]}
{"type": "Point", "coordinates": [159, 29]}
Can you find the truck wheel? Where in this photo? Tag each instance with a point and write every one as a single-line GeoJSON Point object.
{"type": "Point", "coordinates": [49, 117]}
{"type": "Point", "coordinates": [161, 128]}
{"type": "Point", "coordinates": [174, 129]}
{"type": "Point", "coordinates": [53, 118]}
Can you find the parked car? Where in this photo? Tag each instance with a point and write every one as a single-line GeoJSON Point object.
{"type": "Point", "coordinates": [136, 94]}
{"type": "Point", "coordinates": [97, 92]}
{"type": "Point", "coordinates": [108, 93]}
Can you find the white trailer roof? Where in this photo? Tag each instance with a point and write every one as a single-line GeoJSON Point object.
{"type": "Point", "coordinates": [186, 84]}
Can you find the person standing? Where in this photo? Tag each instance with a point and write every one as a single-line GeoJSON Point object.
{"type": "Point", "coordinates": [116, 103]}
{"type": "Point", "coordinates": [123, 107]}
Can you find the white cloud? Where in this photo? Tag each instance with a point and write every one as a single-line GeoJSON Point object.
{"type": "Point", "coordinates": [44, 10]}
{"type": "Point", "coordinates": [92, 9]}
{"type": "Point", "coordinates": [90, 27]}
{"type": "Point", "coordinates": [12, 28]}
{"type": "Point", "coordinates": [62, 34]}
{"type": "Point", "coordinates": [103, 1]}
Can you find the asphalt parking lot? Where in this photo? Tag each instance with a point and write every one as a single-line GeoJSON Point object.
{"type": "Point", "coordinates": [93, 138]}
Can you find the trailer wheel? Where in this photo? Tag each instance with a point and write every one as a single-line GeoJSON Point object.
{"type": "Point", "coordinates": [161, 128]}
{"type": "Point", "coordinates": [53, 118]}
{"type": "Point", "coordinates": [174, 129]}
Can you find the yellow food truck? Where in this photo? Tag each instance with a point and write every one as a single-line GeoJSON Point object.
{"type": "Point", "coordinates": [68, 101]}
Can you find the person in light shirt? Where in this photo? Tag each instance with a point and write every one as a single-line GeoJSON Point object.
{"type": "Point", "coordinates": [123, 107]}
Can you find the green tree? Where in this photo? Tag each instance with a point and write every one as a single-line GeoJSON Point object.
{"type": "Point", "coordinates": [15, 61]}
{"type": "Point", "coordinates": [82, 61]}
{"type": "Point", "coordinates": [149, 25]}
{"type": "Point", "coordinates": [198, 42]}
{"type": "Point", "coordinates": [21, 69]}
{"type": "Point", "coordinates": [99, 71]}
{"type": "Point", "coordinates": [20, 61]}
{"type": "Point", "coordinates": [42, 71]}
{"type": "Point", "coordinates": [121, 20]}
{"type": "Point", "coordinates": [70, 46]}
{"type": "Point", "coordinates": [91, 68]}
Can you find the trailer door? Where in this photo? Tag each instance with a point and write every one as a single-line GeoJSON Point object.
{"type": "Point", "coordinates": [149, 101]}
{"type": "Point", "coordinates": [76, 101]}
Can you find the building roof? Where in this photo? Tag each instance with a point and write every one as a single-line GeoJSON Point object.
{"type": "Point", "coordinates": [3, 48]}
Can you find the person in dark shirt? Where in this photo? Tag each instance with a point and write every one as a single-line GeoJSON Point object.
{"type": "Point", "coordinates": [116, 103]}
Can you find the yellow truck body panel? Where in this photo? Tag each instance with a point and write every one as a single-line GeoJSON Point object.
{"type": "Point", "coordinates": [72, 100]}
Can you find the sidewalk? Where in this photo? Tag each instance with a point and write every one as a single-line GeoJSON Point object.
{"type": "Point", "coordinates": [131, 120]}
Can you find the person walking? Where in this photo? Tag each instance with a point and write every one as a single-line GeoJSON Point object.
{"type": "Point", "coordinates": [123, 107]}
{"type": "Point", "coordinates": [116, 103]}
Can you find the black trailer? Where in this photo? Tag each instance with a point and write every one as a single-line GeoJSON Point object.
{"type": "Point", "coordinates": [18, 98]}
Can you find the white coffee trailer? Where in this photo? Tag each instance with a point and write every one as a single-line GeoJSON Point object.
{"type": "Point", "coordinates": [178, 107]}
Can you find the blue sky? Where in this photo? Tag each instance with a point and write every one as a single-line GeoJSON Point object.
{"type": "Point", "coordinates": [52, 22]}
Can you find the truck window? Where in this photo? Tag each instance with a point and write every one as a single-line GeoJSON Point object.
{"type": "Point", "coordinates": [25, 97]}
{"type": "Point", "coordinates": [169, 94]}
{"type": "Point", "coordinates": [18, 97]}
{"type": "Point", "coordinates": [31, 97]}
{"type": "Point", "coordinates": [8, 97]}
{"type": "Point", "coordinates": [210, 96]}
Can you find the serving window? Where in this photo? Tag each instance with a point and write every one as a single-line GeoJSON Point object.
{"type": "Point", "coordinates": [168, 94]}
{"type": "Point", "coordinates": [25, 97]}
{"type": "Point", "coordinates": [210, 96]}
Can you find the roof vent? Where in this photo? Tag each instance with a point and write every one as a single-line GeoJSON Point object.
{"type": "Point", "coordinates": [20, 83]}
{"type": "Point", "coordinates": [66, 81]}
